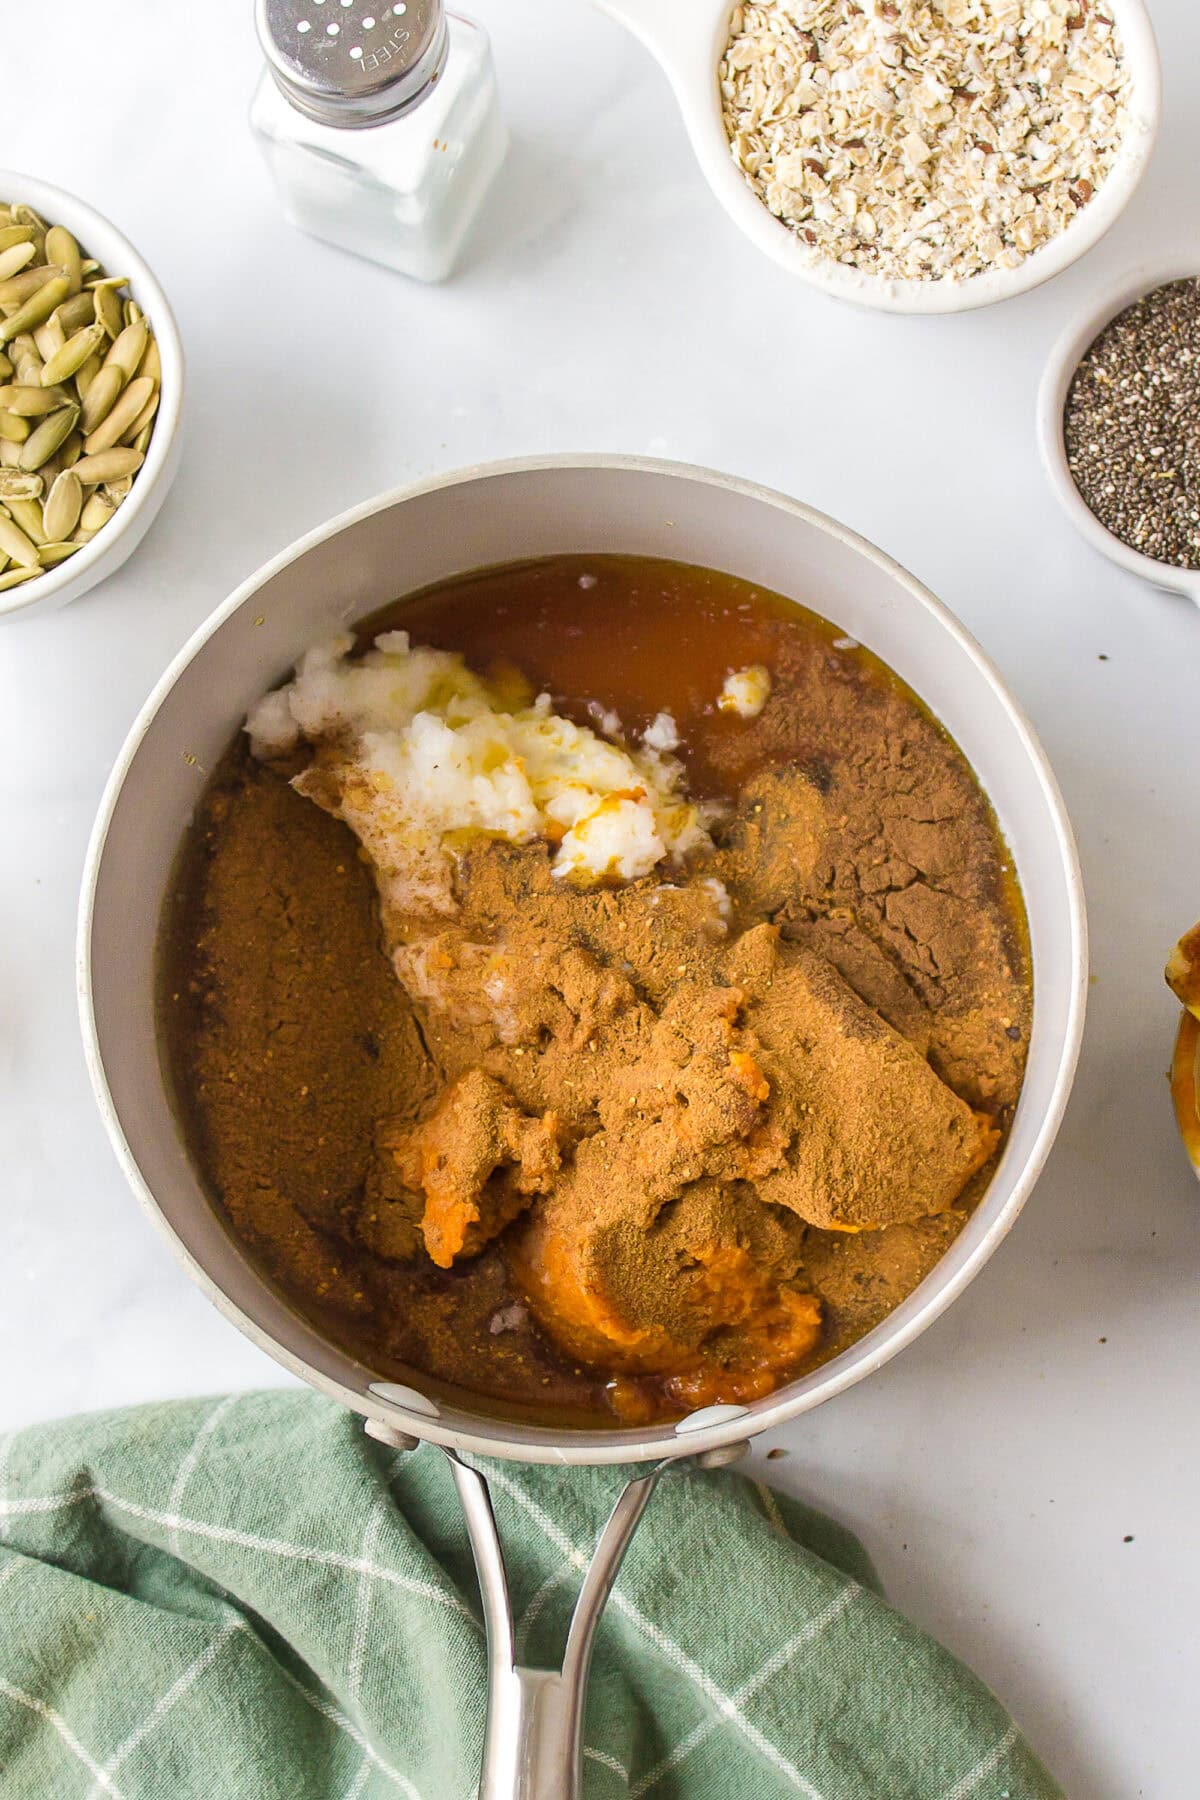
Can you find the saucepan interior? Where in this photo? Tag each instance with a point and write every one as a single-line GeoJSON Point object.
{"type": "Point", "coordinates": [404, 542]}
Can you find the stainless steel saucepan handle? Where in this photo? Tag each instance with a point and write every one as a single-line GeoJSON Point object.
{"type": "Point", "coordinates": [533, 1741]}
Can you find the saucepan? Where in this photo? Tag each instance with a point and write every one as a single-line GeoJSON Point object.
{"type": "Point", "coordinates": [403, 542]}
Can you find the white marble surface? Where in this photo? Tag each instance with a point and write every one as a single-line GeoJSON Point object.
{"type": "Point", "coordinates": [996, 1469]}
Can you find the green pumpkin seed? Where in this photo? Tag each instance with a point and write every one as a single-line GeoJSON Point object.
{"type": "Point", "coordinates": [14, 259]}
{"type": "Point", "coordinates": [14, 577]}
{"type": "Point", "coordinates": [87, 372]}
{"type": "Point", "coordinates": [36, 309]}
{"type": "Point", "coordinates": [145, 416]}
{"type": "Point", "coordinates": [74, 353]}
{"type": "Point", "coordinates": [123, 415]}
{"type": "Point", "coordinates": [90, 267]}
{"type": "Point", "coordinates": [49, 338]}
{"type": "Point", "coordinates": [116, 491]}
{"type": "Point", "coordinates": [128, 348]}
{"type": "Point", "coordinates": [62, 506]}
{"type": "Point", "coordinates": [32, 402]}
{"type": "Point", "coordinates": [98, 509]}
{"type": "Point", "coordinates": [19, 288]}
{"type": "Point", "coordinates": [10, 454]}
{"type": "Point", "coordinates": [109, 310]}
{"type": "Point", "coordinates": [29, 371]}
{"type": "Point", "coordinates": [6, 368]}
{"type": "Point", "coordinates": [51, 554]}
{"type": "Point", "coordinates": [25, 215]}
{"type": "Point", "coordinates": [50, 435]}
{"type": "Point", "coordinates": [14, 428]}
{"type": "Point", "coordinates": [108, 465]}
{"type": "Point", "coordinates": [14, 543]}
{"type": "Point", "coordinates": [65, 458]}
{"type": "Point", "coordinates": [102, 396]}
{"type": "Point", "coordinates": [151, 363]}
{"type": "Point", "coordinates": [18, 485]}
{"type": "Point", "coordinates": [15, 234]}
{"type": "Point", "coordinates": [28, 515]}
{"type": "Point", "coordinates": [62, 248]}
{"type": "Point", "coordinates": [79, 310]}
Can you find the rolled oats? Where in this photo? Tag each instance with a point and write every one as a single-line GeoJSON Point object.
{"type": "Point", "coordinates": [924, 139]}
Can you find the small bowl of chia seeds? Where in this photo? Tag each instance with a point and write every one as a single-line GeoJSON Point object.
{"type": "Point", "coordinates": [1119, 425]}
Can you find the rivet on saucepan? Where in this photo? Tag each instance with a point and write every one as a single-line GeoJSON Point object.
{"type": "Point", "coordinates": [399, 1395]}
{"type": "Point", "coordinates": [721, 1459]}
{"type": "Point", "coordinates": [702, 1420]}
{"type": "Point", "coordinates": [389, 1435]}
{"type": "Point", "coordinates": [709, 1415]}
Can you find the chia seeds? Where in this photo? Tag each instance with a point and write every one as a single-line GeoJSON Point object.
{"type": "Point", "coordinates": [1132, 425]}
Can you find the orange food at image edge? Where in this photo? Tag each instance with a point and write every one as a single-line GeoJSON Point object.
{"type": "Point", "coordinates": [1183, 978]}
{"type": "Point", "coordinates": [1185, 1086]}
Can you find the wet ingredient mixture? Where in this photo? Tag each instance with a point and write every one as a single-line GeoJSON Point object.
{"type": "Point", "coordinates": [654, 1047]}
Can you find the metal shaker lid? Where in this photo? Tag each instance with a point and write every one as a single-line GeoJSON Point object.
{"type": "Point", "coordinates": [353, 63]}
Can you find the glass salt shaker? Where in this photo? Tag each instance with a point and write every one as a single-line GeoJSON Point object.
{"type": "Point", "coordinates": [381, 125]}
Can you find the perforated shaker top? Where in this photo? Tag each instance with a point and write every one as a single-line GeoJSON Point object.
{"type": "Point", "coordinates": [353, 62]}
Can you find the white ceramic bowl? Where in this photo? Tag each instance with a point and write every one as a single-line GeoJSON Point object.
{"type": "Point", "coordinates": [1052, 396]}
{"type": "Point", "coordinates": [129, 525]}
{"type": "Point", "coordinates": [688, 38]}
{"type": "Point", "coordinates": [400, 543]}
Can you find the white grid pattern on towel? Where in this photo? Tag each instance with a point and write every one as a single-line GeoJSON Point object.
{"type": "Point", "coordinates": [245, 1540]}
{"type": "Point", "coordinates": [703, 1731]}
{"type": "Point", "coordinates": [52, 1717]}
{"type": "Point", "coordinates": [607, 1762]}
{"type": "Point", "coordinates": [337, 1717]}
{"type": "Point", "coordinates": [971, 1781]}
{"type": "Point", "coordinates": [771, 1507]}
{"type": "Point", "coordinates": [163, 1705]}
{"type": "Point", "coordinates": [360, 1780]}
{"type": "Point", "coordinates": [362, 1597]}
{"type": "Point", "coordinates": [188, 1463]}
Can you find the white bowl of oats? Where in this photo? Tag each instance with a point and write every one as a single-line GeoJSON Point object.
{"type": "Point", "coordinates": [908, 155]}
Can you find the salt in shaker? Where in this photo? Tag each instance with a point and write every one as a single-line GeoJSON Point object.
{"type": "Point", "coordinates": [381, 125]}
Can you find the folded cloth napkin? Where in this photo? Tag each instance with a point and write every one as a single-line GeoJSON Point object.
{"type": "Point", "coordinates": [248, 1598]}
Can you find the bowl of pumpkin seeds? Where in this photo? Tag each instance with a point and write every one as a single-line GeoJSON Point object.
{"type": "Point", "coordinates": [91, 383]}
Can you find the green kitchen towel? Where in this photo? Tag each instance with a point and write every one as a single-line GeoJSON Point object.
{"type": "Point", "coordinates": [247, 1598]}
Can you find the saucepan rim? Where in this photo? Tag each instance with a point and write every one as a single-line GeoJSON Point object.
{"type": "Point", "coordinates": [406, 1410]}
